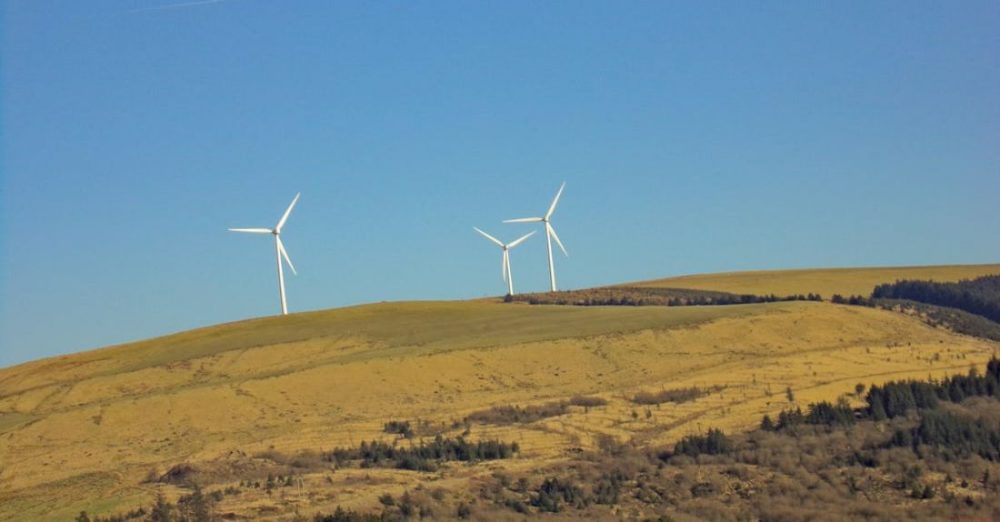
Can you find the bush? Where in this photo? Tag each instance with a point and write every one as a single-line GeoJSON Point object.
{"type": "Point", "coordinates": [399, 427]}
{"type": "Point", "coordinates": [608, 488]}
{"type": "Point", "coordinates": [677, 395]}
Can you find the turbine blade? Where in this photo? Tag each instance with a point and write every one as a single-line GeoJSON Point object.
{"type": "Point", "coordinates": [288, 211]}
{"type": "Point", "coordinates": [503, 266]}
{"type": "Point", "coordinates": [284, 254]}
{"type": "Point", "coordinates": [521, 239]}
{"type": "Point", "coordinates": [556, 237]}
{"type": "Point", "coordinates": [524, 220]}
{"type": "Point", "coordinates": [552, 207]}
{"type": "Point", "coordinates": [251, 230]}
{"type": "Point", "coordinates": [487, 236]}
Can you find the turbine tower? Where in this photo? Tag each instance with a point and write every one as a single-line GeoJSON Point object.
{"type": "Point", "coordinates": [279, 249]}
{"type": "Point", "coordinates": [505, 260]}
{"type": "Point", "coordinates": [550, 234]}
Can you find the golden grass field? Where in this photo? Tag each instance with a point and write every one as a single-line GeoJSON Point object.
{"type": "Point", "coordinates": [826, 281]}
{"type": "Point", "coordinates": [83, 431]}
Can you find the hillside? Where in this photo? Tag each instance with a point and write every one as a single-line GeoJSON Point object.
{"type": "Point", "coordinates": [826, 282]}
{"type": "Point", "coordinates": [99, 430]}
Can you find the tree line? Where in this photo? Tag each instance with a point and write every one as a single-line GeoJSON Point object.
{"type": "Point", "coordinates": [648, 296]}
{"type": "Point", "coordinates": [980, 296]}
{"type": "Point", "coordinates": [422, 456]}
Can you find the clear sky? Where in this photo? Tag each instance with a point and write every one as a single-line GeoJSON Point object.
{"type": "Point", "coordinates": [693, 136]}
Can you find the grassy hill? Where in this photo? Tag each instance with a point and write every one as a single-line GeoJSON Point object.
{"type": "Point", "coordinates": [90, 430]}
{"type": "Point", "coordinates": [826, 282]}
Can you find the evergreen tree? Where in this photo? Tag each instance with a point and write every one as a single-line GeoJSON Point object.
{"type": "Point", "coordinates": [162, 510]}
{"type": "Point", "coordinates": [197, 507]}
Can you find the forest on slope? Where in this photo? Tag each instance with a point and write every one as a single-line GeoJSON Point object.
{"type": "Point", "coordinates": [980, 296]}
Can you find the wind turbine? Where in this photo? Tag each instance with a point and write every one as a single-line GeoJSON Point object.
{"type": "Point", "coordinates": [279, 249]}
{"type": "Point", "coordinates": [505, 261]}
{"type": "Point", "coordinates": [550, 233]}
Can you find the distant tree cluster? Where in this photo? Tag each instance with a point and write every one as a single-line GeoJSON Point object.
{"type": "Point", "coordinates": [422, 456]}
{"type": "Point", "coordinates": [647, 296]}
{"type": "Point", "coordinates": [712, 443]}
{"type": "Point", "coordinates": [957, 436]}
{"type": "Point", "coordinates": [552, 495]}
{"type": "Point", "coordinates": [980, 296]}
{"type": "Point", "coordinates": [953, 434]}
{"type": "Point", "coordinates": [971, 307]}
{"type": "Point", "coordinates": [897, 398]}
{"type": "Point", "coordinates": [892, 399]}
{"type": "Point", "coordinates": [821, 413]}
{"type": "Point", "coordinates": [854, 300]}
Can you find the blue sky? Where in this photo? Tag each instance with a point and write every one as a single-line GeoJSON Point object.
{"type": "Point", "coordinates": [693, 136]}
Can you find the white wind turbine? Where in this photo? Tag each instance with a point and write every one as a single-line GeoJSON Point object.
{"type": "Point", "coordinates": [505, 260]}
{"type": "Point", "coordinates": [550, 233]}
{"type": "Point", "coordinates": [279, 249]}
